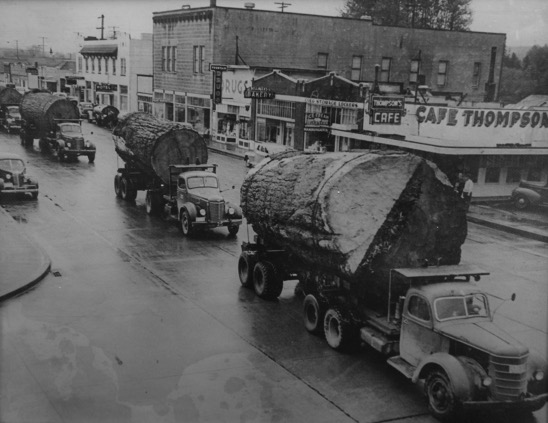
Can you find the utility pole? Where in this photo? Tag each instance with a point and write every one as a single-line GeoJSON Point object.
{"type": "Point", "coordinates": [17, 48]}
{"type": "Point", "coordinates": [113, 32]}
{"type": "Point", "coordinates": [43, 46]}
{"type": "Point", "coordinates": [283, 5]}
{"type": "Point", "coordinates": [102, 27]}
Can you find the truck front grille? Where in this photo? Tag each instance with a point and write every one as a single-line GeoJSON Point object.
{"type": "Point", "coordinates": [509, 376]}
{"type": "Point", "coordinates": [18, 179]}
{"type": "Point", "coordinates": [216, 211]}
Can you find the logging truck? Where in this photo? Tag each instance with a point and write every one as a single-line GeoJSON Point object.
{"type": "Point", "coordinates": [168, 161]}
{"type": "Point", "coordinates": [360, 243]}
{"type": "Point", "coordinates": [10, 118]}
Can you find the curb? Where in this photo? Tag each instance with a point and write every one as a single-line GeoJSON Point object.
{"type": "Point", "coordinates": [510, 229]}
{"type": "Point", "coordinates": [40, 270]}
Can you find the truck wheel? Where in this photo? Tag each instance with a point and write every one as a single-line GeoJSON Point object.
{"type": "Point", "coordinates": [441, 399]}
{"type": "Point", "coordinates": [313, 313]}
{"type": "Point", "coordinates": [127, 190]}
{"type": "Point", "coordinates": [246, 263]}
{"type": "Point", "coordinates": [117, 185]}
{"type": "Point", "coordinates": [521, 202]}
{"type": "Point", "coordinates": [34, 195]}
{"type": "Point", "coordinates": [186, 223]}
{"type": "Point", "coordinates": [61, 155]}
{"type": "Point", "coordinates": [153, 203]}
{"type": "Point", "coordinates": [338, 330]}
{"type": "Point", "coordinates": [267, 283]}
{"type": "Point", "coordinates": [91, 157]}
{"type": "Point", "coordinates": [233, 230]}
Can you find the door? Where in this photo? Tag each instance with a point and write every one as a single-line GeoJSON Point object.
{"type": "Point", "coordinates": [417, 338]}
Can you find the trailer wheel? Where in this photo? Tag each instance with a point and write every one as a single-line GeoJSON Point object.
{"type": "Point", "coordinates": [128, 192]}
{"type": "Point", "coordinates": [441, 399]}
{"type": "Point", "coordinates": [186, 223]}
{"type": "Point", "coordinates": [313, 313]}
{"type": "Point", "coordinates": [153, 203]}
{"type": "Point", "coordinates": [246, 264]}
{"type": "Point", "coordinates": [339, 331]}
{"type": "Point", "coordinates": [267, 283]}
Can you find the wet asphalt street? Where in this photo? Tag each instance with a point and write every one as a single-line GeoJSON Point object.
{"type": "Point", "coordinates": [136, 323]}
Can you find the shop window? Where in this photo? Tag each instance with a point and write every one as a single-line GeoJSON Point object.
{"type": "Point", "coordinates": [356, 68]}
{"type": "Point", "coordinates": [385, 69]}
{"type": "Point", "coordinates": [476, 74]}
{"type": "Point", "coordinates": [414, 71]}
{"type": "Point", "coordinates": [278, 108]}
{"type": "Point", "coordinates": [534, 174]}
{"type": "Point", "coordinates": [513, 174]}
{"type": "Point", "coordinates": [322, 60]}
{"type": "Point", "coordinates": [492, 175]}
{"type": "Point", "coordinates": [442, 72]}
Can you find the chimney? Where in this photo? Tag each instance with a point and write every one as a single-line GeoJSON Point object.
{"type": "Point", "coordinates": [249, 5]}
{"type": "Point", "coordinates": [212, 3]}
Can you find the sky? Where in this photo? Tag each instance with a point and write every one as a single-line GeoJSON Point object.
{"type": "Point", "coordinates": [60, 24]}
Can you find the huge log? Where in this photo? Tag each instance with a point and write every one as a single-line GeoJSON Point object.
{"type": "Point", "coordinates": [151, 144]}
{"type": "Point", "coordinates": [9, 96]}
{"type": "Point", "coordinates": [356, 215]}
{"type": "Point", "coordinates": [41, 110]}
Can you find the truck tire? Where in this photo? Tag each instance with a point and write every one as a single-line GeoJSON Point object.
{"type": "Point", "coordinates": [233, 230]}
{"type": "Point", "coordinates": [91, 157]}
{"type": "Point", "coordinates": [521, 202]}
{"type": "Point", "coordinates": [267, 283]}
{"type": "Point", "coordinates": [313, 313]}
{"type": "Point", "coordinates": [339, 331]}
{"type": "Point", "coordinates": [440, 395]}
{"type": "Point", "coordinates": [246, 264]}
{"type": "Point", "coordinates": [61, 154]}
{"type": "Point", "coordinates": [117, 187]}
{"type": "Point", "coordinates": [186, 223]}
{"type": "Point", "coordinates": [126, 187]}
{"type": "Point", "coordinates": [153, 203]}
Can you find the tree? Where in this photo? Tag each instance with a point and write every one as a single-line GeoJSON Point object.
{"type": "Point", "coordinates": [511, 61]}
{"type": "Point", "coordinates": [535, 65]}
{"type": "Point", "coordinates": [453, 15]}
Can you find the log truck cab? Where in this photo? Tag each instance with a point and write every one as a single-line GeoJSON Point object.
{"type": "Point", "coordinates": [195, 200]}
{"type": "Point", "coordinates": [69, 142]}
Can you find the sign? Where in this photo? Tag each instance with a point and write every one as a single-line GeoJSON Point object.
{"type": "Point", "coordinates": [316, 120]}
{"type": "Point", "coordinates": [386, 110]}
{"type": "Point", "coordinates": [385, 102]}
{"type": "Point", "coordinates": [217, 87]}
{"type": "Point", "coordinates": [235, 82]}
{"type": "Point", "coordinates": [32, 71]}
{"type": "Point", "coordinates": [106, 87]}
{"type": "Point", "coordinates": [334, 103]}
{"type": "Point", "coordinates": [259, 92]}
{"type": "Point", "coordinates": [73, 80]}
{"type": "Point", "coordinates": [220, 68]}
{"type": "Point", "coordinates": [392, 117]}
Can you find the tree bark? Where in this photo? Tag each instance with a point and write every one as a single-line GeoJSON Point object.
{"type": "Point", "coordinates": [43, 109]}
{"type": "Point", "coordinates": [356, 215]}
{"type": "Point", "coordinates": [151, 145]}
{"type": "Point", "coordinates": [9, 96]}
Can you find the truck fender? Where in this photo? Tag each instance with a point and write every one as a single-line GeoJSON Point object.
{"type": "Point", "coordinates": [536, 363]}
{"type": "Point", "coordinates": [455, 370]}
{"type": "Point", "coordinates": [190, 208]}
{"type": "Point", "coordinates": [532, 196]}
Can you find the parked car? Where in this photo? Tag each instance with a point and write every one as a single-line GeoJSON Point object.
{"type": "Point", "coordinates": [84, 107]}
{"type": "Point", "coordinates": [13, 179]}
{"type": "Point", "coordinates": [530, 193]}
{"type": "Point", "coordinates": [262, 150]}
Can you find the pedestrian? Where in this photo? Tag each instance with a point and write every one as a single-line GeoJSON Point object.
{"type": "Point", "coordinates": [459, 184]}
{"type": "Point", "coordinates": [467, 190]}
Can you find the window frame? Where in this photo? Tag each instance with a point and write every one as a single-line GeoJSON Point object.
{"type": "Point", "coordinates": [321, 58]}
{"type": "Point", "coordinates": [385, 70]}
{"type": "Point", "coordinates": [476, 74]}
{"type": "Point", "coordinates": [355, 68]}
{"type": "Point", "coordinates": [414, 69]}
{"type": "Point", "coordinates": [441, 80]}
{"type": "Point", "coordinates": [123, 69]}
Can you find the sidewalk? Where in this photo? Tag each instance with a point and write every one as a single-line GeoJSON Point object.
{"type": "Point", "coordinates": [23, 263]}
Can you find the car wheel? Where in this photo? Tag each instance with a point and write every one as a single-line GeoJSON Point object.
{"type": "Point", "coordinates": [267, 283]}
{"type": "Point", "coordinates": [521, 202]}
{"type": "Point", "coordinates": [186, 223]}
{"type": "Point", "coordinates": [441, 399]}
{"type": "Point", "coordinates": [246, 263]}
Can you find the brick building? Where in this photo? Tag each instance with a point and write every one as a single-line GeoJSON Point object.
{"type": "Point", "coordinates": [187, 41]}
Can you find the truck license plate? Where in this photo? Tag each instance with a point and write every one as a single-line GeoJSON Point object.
{"type": "Point", "coordinates": [517, 368]}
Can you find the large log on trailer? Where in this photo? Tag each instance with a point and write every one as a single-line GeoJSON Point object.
{"type": "Point", "coordinates": [9, 96]}
{"type": "Point", "coordinates": [356, 215]}
{"type": "Point", "coordinates": [41, 110]}
{"type": "Point", "coordinates": [151, 144]}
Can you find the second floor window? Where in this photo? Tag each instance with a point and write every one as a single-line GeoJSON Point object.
{"type": "Point", "coordinates": [122, 67]}
{"type": "Point", "coordinates": [106, 66]}
{"type": "Point", "coordinates": [92, 65]}
{"type": "Point", "coordinates": [174, 59]}
{"type": "Point", "coordinates": [87, 64]}
{"type": "Point", "coordinates": [164, 55]}
{"type": "Point", "coordinates": [385, 69]}
{"type": "Point", "coordinates": [322, 60]}
{"type": "Point", "coordinates": [198, 59]}
{"type": "Point", "coordinates": [99, 60]}
{"type": "Point", "coordinates": [476, 74]}
{"type": "Point", "coordinates": [356, 68]}
{"type": "Point", "coordinates": [114, 66]}
{"type": "Point", "coordinates": [442, 73]}
{"type": "Point", "coordinates": [414, 71]}
{"type": "Point", "coordinates": [79, 64]}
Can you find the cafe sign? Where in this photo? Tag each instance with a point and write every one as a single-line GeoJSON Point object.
{"type": "Point", "coordinates": [386, 110]}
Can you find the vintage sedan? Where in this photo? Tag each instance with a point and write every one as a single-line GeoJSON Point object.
{"type": "Point", "coordinates": [13, 179]}
{"type": "Point", "coordinates": [530, 194]}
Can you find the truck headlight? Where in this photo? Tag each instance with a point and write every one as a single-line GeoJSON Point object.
{"type": "Point", "coordinates": [230, 211]}
{"type": "Point", "coordinates": [487, 381]}
{"type": "Point", "coordinates": [202, 212]}
{"type": "Point", "coordinates": [538, 375]}
{"type": "Point", "coordinates": [87, 144]}
{"type": "Point", "coordinates": [8, 176]}
{"type": "Point", "coordinates": [69, 145]}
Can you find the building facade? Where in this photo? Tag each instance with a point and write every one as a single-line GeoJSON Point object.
{"type": "Point", "coordinates": [110, 69]}
{"type": "Point", "coordinates": [187, 41]}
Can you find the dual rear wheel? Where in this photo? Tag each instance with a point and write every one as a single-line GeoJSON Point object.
{"type": "Point", "coordinates": [262, 276]}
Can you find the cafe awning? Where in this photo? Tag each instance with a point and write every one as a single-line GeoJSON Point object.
{"type": "Point", "coordinates": [100, 50]}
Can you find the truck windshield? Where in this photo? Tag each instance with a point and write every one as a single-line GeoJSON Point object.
{"type": "Point", "coordinates": [71, 129]}
{"type": "Point", "coordinates": [202, 182]}
{"type": "Point", "coordinates": [474, 305]}
{"type": "Point", "coordinates": [12, 165]}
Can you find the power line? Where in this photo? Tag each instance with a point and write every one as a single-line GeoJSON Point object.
{"type": "Point", "coordinates": [283, 5]}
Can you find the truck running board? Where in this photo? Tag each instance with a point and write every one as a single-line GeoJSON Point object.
{"type": "Point", "coordinates": [402, 366]}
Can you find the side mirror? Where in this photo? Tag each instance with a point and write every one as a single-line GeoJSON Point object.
{"type": "Point", "coordinates": [513, 297]}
